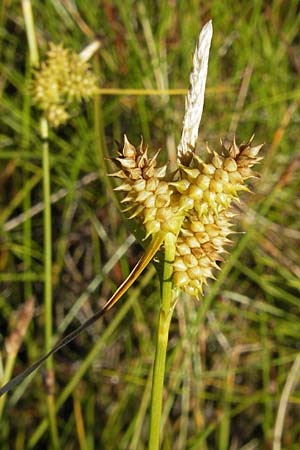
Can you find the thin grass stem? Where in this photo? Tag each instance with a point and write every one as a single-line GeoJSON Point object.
{"type": "Point", "coordinates": [34, 61]}
{"type": "Point", "coordinates": [30, 32]}
{"type": "Point", "coordinates": [80, 428]}
{"type": "Point", "coordinates": [159, 92]}
{"type": "Point", "coordinates": [48, 283]}
{"type": "Point", "coordinates": [9, 365]}
{"type": "Point", "coordinates": [47, 241]}
{"type": "Point", "coordinates": [165, 316]}
{"type": "Point", "coordinates": [290, 383]}
{"type": "Point", "coordinates": [27, 230]}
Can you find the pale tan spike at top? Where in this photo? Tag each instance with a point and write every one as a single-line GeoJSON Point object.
{"type": "Point", "coordinates": [195, 98]}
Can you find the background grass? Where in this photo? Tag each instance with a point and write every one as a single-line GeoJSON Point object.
{"type": "Point", "coordinates": [231, 353]}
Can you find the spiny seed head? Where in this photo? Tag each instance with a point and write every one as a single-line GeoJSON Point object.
{"type": "Point", "coordinates": [212, 184]}
{"type": "Point", "coordinates": [193, 203]}
{"type": "Point", "coordinates": [62, 80]}
{"type": "Point", "coordinates": [199, 246]}
{"type": "Point", "coordinates": [148, 192]}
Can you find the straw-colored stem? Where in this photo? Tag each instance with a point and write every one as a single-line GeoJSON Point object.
{"type": "Point", "coordinates": [164, 321]}
{"type": "Point", "coordinates": [290, 383]}
{"type": "Point", "coordinates": [221, 88]}
{"type": "Point", "coordinates": [9, 365]}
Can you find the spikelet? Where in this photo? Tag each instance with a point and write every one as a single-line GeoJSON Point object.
{"type": "Point", "coordinates": [193, 203]}
{"type": "Point", "coordinates": [212, 185]}
{"type": "Point", "coordinates": [148, 193]}
{"type": "Point", "coordinates": [62, 80]}
{"type": "Point", "coordinates": [198, 249]}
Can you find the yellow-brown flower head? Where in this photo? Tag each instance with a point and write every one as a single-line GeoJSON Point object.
{"type": "Point", "coordinates": [210, 188]}
{"type": "Point", "coordinates": [63, 79]}
{"type": "Point", "coordinates": [193, 203]}
{"type": "Point", "coordinates": [198, 249]}
{"type": "Point", "coordinates": [149, 193]}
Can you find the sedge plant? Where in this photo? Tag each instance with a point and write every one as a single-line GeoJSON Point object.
{"type": "Point", "coordinates": [185, 214]}
{"type": "Point", "coordinates": [188, 209]}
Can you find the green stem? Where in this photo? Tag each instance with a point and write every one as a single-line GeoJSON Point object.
{"type": "Point", "coordinates": [10, 362]}
{"type": "Point", "coordinates": [30, 32]}
{"type": "Point", "coordinates": [165, 316]}
{"type": "Point", "coordinates": [27, 230]}
{"type": "Point", "coordinates": [48, 283]}
{"type": "Point", "coordinates": [34, 61]}
{"type": "Point", "coordinates": [47, 241]}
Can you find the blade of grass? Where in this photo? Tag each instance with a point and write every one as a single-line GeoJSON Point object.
{"type": "Point", "coordinates": [67, 391]}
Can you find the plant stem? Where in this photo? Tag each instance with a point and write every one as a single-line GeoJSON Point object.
{"type": "Point", "coordinates": [165, 315]}
{"type": "Point", "coordinates": [9, 366]}
{"type": "Point", "coordinates": [48, 283]}
{"type": "Point", "coordinates": [34, 61]}
{"type": "Point", "coordinates": [30, 32]}
{"type": "Point", "coordinates": [47, 241]}
{"type": "Point", "coordinates": [27, 229]}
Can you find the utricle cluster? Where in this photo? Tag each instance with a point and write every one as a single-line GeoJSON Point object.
{"type": "Point", "coordinates": [199, 247]}
{"type": "Point", "coordinates": [149, 194]}
{"type": "Point", "coordinates": [62, 80]}
{"type": "Point", "coordinates": [194, 203]}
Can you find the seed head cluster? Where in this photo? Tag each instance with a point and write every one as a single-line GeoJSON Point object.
{"type": "Point", "coordinates": [149, 194]}
{"type": "Point", "coordinates": [193, 202]}
{"type": "Point", "coordinates": [62, 80]}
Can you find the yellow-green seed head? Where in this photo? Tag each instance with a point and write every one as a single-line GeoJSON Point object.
{"type": "Point", "coordinates": [148, 193]}
{"type": "Point", "coordinates": [63, 79]}
{"type": "Point", "coordinates": [212, 185]}
{"type": "Point", "coordinates": [199, 247]}
{"type": "Point", "coordinates": [193, 203]}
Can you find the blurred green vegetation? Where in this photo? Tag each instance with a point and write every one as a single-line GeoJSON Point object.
{"type": "Point", "coordinates": [231, 353]}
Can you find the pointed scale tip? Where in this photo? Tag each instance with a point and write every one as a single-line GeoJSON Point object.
{"type": "Point", "coordinates": [207, 30]}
